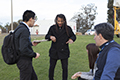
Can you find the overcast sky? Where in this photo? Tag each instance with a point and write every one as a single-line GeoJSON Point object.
{"type": "Point", "coordinates": [48, 9]}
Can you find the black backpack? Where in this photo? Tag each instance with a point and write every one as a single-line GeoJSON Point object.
{"type": "Point", "coordinates": [9, 53]}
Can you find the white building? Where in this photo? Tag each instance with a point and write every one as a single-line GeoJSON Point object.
{"type": "Point", "coordinates": [0, 30]}
{"type": "Point", "coordinates": [41, 27]}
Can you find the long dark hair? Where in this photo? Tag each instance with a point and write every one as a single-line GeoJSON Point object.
{"type": "Point", "coordinates": [93, 50]}
{"type": "Point", "coordinates": [65, 23]}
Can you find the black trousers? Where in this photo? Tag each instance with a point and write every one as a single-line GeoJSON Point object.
{"type": "Point", "coordinates": [64, 63]}
{"type": "Point", "coordinates": [26, 69]}
{"type": "Point", "coordinates": [79, 78]}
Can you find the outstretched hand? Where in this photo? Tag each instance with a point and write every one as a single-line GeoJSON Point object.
{"type": "Point", "coordinates": [78, 74]}
{"type": "Point", "coordinates": [69, 41]}
{"type": "Point", "coordinates": [35, 43]}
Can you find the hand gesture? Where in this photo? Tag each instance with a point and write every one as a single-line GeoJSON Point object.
{"type": "Point", "coordinates": [53, 38]}
{"type": "Point", "coordinates": [69, 41]}
{"type": "Point", "coordinates": [78, 74]}
{"type": "Point", "coordinates": [37, 55]}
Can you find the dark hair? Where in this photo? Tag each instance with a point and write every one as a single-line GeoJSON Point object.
{"type": "Point", "coordinates": [27, 15]}
{"type": "Point", "coordinates": [65, 23]}
{"type": "Point", "coordinates": [106, 30]}
{"type": "Point", "coordinates": [93, 50]}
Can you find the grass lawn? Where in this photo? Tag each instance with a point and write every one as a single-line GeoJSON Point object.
{"type": "Point", "coordinates": [78, 60]}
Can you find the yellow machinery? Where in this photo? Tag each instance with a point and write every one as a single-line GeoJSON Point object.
{"type": "Point", "coordinates": [116, 23]}
{"type": "Point", "coordinates": [116, 6]}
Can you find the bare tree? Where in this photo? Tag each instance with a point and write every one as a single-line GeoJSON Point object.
{"type": "Point", "coordinates": [8, 26]}
{"type": "Point", "coordinates": [85, 18]}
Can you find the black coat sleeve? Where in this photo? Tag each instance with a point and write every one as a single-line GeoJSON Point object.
{"type": "Point", "coordinates": [49, 34]}
{"type": "Point", "coordinates": [71, 34]}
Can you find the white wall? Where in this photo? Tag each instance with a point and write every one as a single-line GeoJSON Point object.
{"type": "Point", "coordinates": [73, 26]}
{"type": "Point", "coordinates": [44, 26]}
{"type": "Point", "coordinates": [0, 29]}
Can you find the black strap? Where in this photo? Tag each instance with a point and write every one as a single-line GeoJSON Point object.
{"type": "Point", "coordinates": [16, 29]}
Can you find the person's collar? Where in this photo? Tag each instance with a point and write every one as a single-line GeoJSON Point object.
{"type": "Point", "coordinates": [26, 25]}
{"type": "Point", "coordinates": [103, 45]}
{"type": "Point", "coordinates": [106, 43]}
{"type": "Point", "coordinates": [59, 27]}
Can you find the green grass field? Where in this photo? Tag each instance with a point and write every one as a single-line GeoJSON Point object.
{"type": "Point", "coordinates": [78, 60]}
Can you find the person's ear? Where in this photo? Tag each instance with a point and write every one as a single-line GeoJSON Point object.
{"type": "Point", "coordinates": [100, 36]}
{"type": "Point", "coordinates": [30, 19]}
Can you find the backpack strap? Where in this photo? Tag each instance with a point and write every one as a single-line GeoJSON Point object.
{"type": "Point", "coordinates": [16, 29]}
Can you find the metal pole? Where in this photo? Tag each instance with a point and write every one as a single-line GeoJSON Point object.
{"type": "Point", "coordinates": [11, 15]}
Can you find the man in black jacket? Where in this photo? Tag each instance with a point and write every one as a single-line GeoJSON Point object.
{"type": "Point", "coordinates": [24, 47]}
{"type": "Point", "coordinates": [61, 35]}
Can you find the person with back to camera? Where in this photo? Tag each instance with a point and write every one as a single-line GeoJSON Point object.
{"type": "Point", "coordinates": [61, 35]}
{"type": "Point", "coordinates": [92, 51]}
{"type": "Point", "coordinates": [24, 47]}
{"type": "Point", "coordinates": [108, 62]}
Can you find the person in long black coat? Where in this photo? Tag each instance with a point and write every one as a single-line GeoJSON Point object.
{"type": "Point", "coordinates": [61, 35]}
